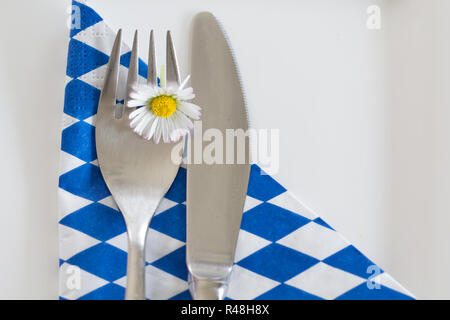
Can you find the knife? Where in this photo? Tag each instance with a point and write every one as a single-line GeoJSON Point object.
{"type": "Point", "coordinates": [215, 192]}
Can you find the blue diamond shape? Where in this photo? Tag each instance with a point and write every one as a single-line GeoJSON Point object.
{"type": "Point", "coordinates": [271, 222]}
{"type": "Point", "coordinates": [185, 295]}
{"type": "Point", "coordinates": [81, 99]}
{"type": "Point", "coordinates": [177, 191]}
{"type": "Point", "coordinates": [85, 181]}
{"type": "Point", "coordinates": [102, 260]}
{"type": "Point", "coordinates": [82, 59]}
{"type": "Point", "coordinates": [174, 263]}
{"type": "Point", "coordinates": [278, 262]}
{"type": "Point", "coordinates": [79, 140]}
{"type": "Point", "coordinates": [85, 15]}
{"type": "Point", "coordinates": [362, 292]}
{"type": "Point", "coordinates": [171, 222]}
{"type": "Point", "coordinates": [125, 61]}
{"type": "Point", "coordinates": [96, 220]}
{"type": "Point", "coordinates": [111, 291]}
{"type": "Point", "coordinates": [262, 186]}
{"type": "Point", "coordinates": [286, 292]}
{"type": "Point", "coordinates": [351, 260]}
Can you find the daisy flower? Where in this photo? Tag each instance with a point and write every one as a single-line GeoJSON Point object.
{"type": "Point", "coordinates": [165, 113]}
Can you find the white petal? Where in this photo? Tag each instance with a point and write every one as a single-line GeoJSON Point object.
{"type": "Point", "coordinates": [183, 121]}
{"type": "Point", "coordinates": [169, 129]}
{"type": "Point", "coordinates": [157, 135]}
{"type": "Point", "coordinates": [144, 88]}
{"type": "Point", "coordinates": [143, 123]}
{"type": "Point", "coordinates": [174, 130]}
{"type": "Point", "coordinates": [140, 95]}
{"type": "Point", "coordinates": [150, 90]}
{"type": "Point", "coordinates": [179, 121]}
{"type": "Point", "coordinates": [175, 135]}
{"type": "Point", "coordinates": [185, 91]}
{"type": "Point", "coordinates": [136, 112]}
{"type": "Point", "coordinates": [178, 133]}
{"type": "Point", "coordinates": [151, 128]}
{"type": "Point", "coordinates": [186, 94]}
{"type": "Point", "coordinates": [158, 91]}
{"type": "Point", "coordinates": [170, 90]}
{"type": "Point", "coordinates": [138, 118]}
{"type": "Point", "coordinates": [190, 109]}
{"type": "Point", "coordinates": [170, 125]}
{"type": "Point", "coordinates": [136, 103]}
{"type": "Point", "coordinates": [146, 131]}
{"type": "Point", "coordinates": [165, 130]}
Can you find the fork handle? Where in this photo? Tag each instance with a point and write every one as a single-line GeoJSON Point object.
{"type": "Point", "coordinates": [136, 264]}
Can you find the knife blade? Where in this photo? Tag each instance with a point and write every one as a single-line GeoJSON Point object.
{"type": "Point", "coordinates": [215, 192]}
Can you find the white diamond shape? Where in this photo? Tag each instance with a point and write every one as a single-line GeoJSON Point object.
{"type": "Point", "coordinates": [68, 162]}
{"type": "Point", "coordinates": [157, 244]}
{"type": "Point", "coordinates": [72, 241]}
{"type": "Point", "coordinates": [164, 205]}
{"type": "Point", "coordinates": [91, 120]}
{"type": "Point", "coordinates": [325, 281]}
{"type": "Point", "coordinates": [247, 244]}
{"type": "Point", "coordinates": [287, 201]}
{"type": "Point", "coordinates": [68, 79]}
{"type": "Point", "coordinates": [122, 282]}
{"type": "Point", "coordinates": [69, 202]}
{"type": "Point", "coordinates": [247, 285]}
{"type": "Point", "coordinates": [68, 274]}
{"type": "Point", "coordinates": [314, 240]}
{"type": "Point", "coordinates": [250, 203]}
{"type": "Point", "coordinates": [120, 241]}
{"type": "Point", "coordinates": [67, 121]}
{"type": "Point", "coordinates": [386, 280]}
{"type": "Point", "coordinates": [109, 202]}
{"type": "Point", "coordinates": [101, 37]}
{"type": "Point", "coordinates": [95, 77]}
{"type": "Point", "coordinates": [160, 285]}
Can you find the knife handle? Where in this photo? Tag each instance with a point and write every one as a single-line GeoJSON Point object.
{"type": "Point", "coordinates": [207, 289]}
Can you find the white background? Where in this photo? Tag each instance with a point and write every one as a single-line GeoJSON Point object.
{"type": "Point", "coordinates": [363, 116]}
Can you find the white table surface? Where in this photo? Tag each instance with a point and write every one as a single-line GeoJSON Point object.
{"type": "Point", "coordinates": [363, 118]}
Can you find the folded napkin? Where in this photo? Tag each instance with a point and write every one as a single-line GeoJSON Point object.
{"type": "Point", "coordinates": [284, 251]}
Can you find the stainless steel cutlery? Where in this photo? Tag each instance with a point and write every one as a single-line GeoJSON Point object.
{"type": "Point", "coordinates": [215, 192]}
{"type": "Point", "coordinates": [137, 172]}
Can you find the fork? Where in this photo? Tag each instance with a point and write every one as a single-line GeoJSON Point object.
{"type": "Point", "coordinates": [138, 172]}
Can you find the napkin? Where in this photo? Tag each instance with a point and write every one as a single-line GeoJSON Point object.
{"type": "Point", "coordinates": [284, 251]}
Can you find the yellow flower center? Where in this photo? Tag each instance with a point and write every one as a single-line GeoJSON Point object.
{"type": "Point", "coordinates": [163, 106]}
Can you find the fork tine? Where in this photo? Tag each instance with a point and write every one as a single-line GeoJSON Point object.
{"type": "Point", "coordinates": [132, 79]}
{"type": "Point", "coordinates": [151, 75]}
{"type": "Point", "coordinates": [108, 95]}
{"type": "Point", "coordinates": [172, 71]}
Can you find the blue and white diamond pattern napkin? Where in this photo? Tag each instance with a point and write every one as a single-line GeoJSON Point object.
{"type": "Point", "coordinates": [284, 251]}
